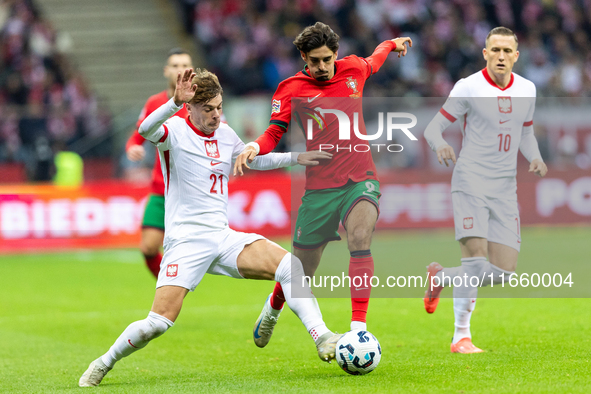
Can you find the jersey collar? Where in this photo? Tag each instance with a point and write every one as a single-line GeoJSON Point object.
{"type": "Point", "coordinates": [490, 80]}
{"type": "Point", "coordinates": [196, 130]}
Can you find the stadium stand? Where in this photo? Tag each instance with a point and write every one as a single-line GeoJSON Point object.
{"type": "Point", "coordinates": [45, 103]}
{"type": "Point", "coordinates": [254, 39]}
{"type": "Point", "coordinates": [249, 44]}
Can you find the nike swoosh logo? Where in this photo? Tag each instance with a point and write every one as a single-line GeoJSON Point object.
{"type": "Point", "coordinates": [256, 330]}
{"type": "Point", "coordinates": [215, 163]}
{"type": "Point", "coordinates": [129, 340]}
{"type": "Point", "coordinates": [504, 121]}
{"type": "Point", "coordinates": [313, 98]}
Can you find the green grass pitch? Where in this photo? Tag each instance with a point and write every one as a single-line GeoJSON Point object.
{"type": "Point", "coordinates": [58, 312]}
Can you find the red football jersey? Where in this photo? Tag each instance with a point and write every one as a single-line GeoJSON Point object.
{"type": "Point", "coordinates": [348, 81]}
{"type": "Point", "coordinates": [152, 104]}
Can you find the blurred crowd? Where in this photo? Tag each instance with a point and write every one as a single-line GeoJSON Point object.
{"type": "Point", "coordinates": [249, 43]}
{"type": "Point", "coordinates": [45, 104]}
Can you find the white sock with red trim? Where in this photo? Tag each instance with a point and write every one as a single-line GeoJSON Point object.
{"type": "Point", "coordinates": [302, 302]}
{"type": "Point", "coordinates": [136, 336]}
{"type": "Point", "coordinates": [465, 295]}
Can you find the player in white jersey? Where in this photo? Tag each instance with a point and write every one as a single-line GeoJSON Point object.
{"type": "Point", "coordinates": [495, 107]}
{"type": "Point", "coordinates": [196, 155]}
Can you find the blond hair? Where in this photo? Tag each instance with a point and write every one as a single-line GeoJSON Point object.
{"type": "Point", "coordinates": [208, 86]}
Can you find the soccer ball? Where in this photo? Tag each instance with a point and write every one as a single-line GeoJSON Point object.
{"type": "Point", "coordinates": [358, 352]}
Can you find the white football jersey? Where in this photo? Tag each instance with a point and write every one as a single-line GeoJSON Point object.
{"type": "Point", "coordinates": [196, 169]}
{"type": "Point", "coordinates": [492, 122]}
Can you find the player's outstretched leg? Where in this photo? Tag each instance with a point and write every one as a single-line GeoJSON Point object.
{"type": "Point", "coordinates": [305, 306]}
{"type": "Point", "coordinates": [263, 327]}
{"type": "Point", "coordinates": [264, 259]}
{"type": "Point", "coordinates": [136, 336]}
{"type": "Point", "coordinates": [274, 304]}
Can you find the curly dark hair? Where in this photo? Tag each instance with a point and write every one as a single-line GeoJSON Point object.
{"type": "Point", "coordinates": [313, 37]}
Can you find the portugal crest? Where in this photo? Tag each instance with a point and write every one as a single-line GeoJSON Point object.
{"type": "Point", "coordinates": [211, 148]}
{"type": "Point", "coordinates": [352, 84]}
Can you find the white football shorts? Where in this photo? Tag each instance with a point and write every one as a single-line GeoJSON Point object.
{"type": "Point", "coordinates": [495, 219]}
{"type": "Point", "coordinates": [185, 262]}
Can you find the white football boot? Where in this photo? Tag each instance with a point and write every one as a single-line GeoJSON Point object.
{"type": "Point", "coordinates": [263, 327]}
{"type": "Point", "coordinates": [94, 374]}
{"type": "Point", "coordinates": [326, 346]}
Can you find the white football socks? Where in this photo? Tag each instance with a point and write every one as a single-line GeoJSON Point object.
{"type": "Point", "coordinates": [465, 296]}
{"type": "Point", "coordinates": [463, 308]}
{"type": "Point", "coordinates": [136, 336]}
{"type": "Point", "coordinates": [447, 274]}
{"type": "Point", "coordinates": [358, 325]}
{"type": "Point", "coordinates": [305, 305]}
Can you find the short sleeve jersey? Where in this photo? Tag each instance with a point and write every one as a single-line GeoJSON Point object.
{"type": "Point", "coordinates": [196, 169]}
{"type": "Point", "coordinates": [492, 122]}
{"type": "Point", "coordinates": [348, 82]}
{"type": "Point", "coordinates": [154, 102]}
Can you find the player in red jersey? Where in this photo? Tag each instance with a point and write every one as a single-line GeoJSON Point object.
{"type": "Point", "coordinates": [342, 189]}
{"type": "Point", "coordinates": [177, 61]}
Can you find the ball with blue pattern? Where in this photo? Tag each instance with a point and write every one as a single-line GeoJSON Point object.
{"type": "Point", "coordinates": [358, 352]}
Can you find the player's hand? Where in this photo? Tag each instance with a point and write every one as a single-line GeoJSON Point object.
{"type": "Point", "coordinates": [445, 153]}
{"type": "Point", "coordinates": [136, 153]}
{"type": "Point", "coordinates": [538, 167]}
{"type": "Point", "coordinates": [185, 89]}
{"type": "Point", "coordinates": [243, 159]}
{"type": "Point", "coordinates": [312, 158]}
{"type": "Point", "coordinates": [401, 45]}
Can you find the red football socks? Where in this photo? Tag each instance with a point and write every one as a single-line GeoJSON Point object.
{"type": "Point", "coordinates": [153, 264]}
{"type": "Point", "coordinates": [360, 271]}
{"type": "Point", "coordinates": [277, 298]}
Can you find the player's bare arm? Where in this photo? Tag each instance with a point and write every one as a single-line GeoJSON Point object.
{"type": "Point", "coordinates": [184, 89]}
{"type": "Point", "coordinates": [538, 167]}
{"type": "Point", "coordinates": [312, 158]}
{"type": "Point", "coordinates": [401, 45]}
{"type": "Point", "coordinates": [136, 153]}
{"type": "Point", "coordinates": [445, 153]}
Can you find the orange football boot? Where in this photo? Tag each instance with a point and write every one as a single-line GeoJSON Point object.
{"type": "Point", "coordinates": [432, 294]}
{"type": "Point", "coordinates": [465, 346]}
